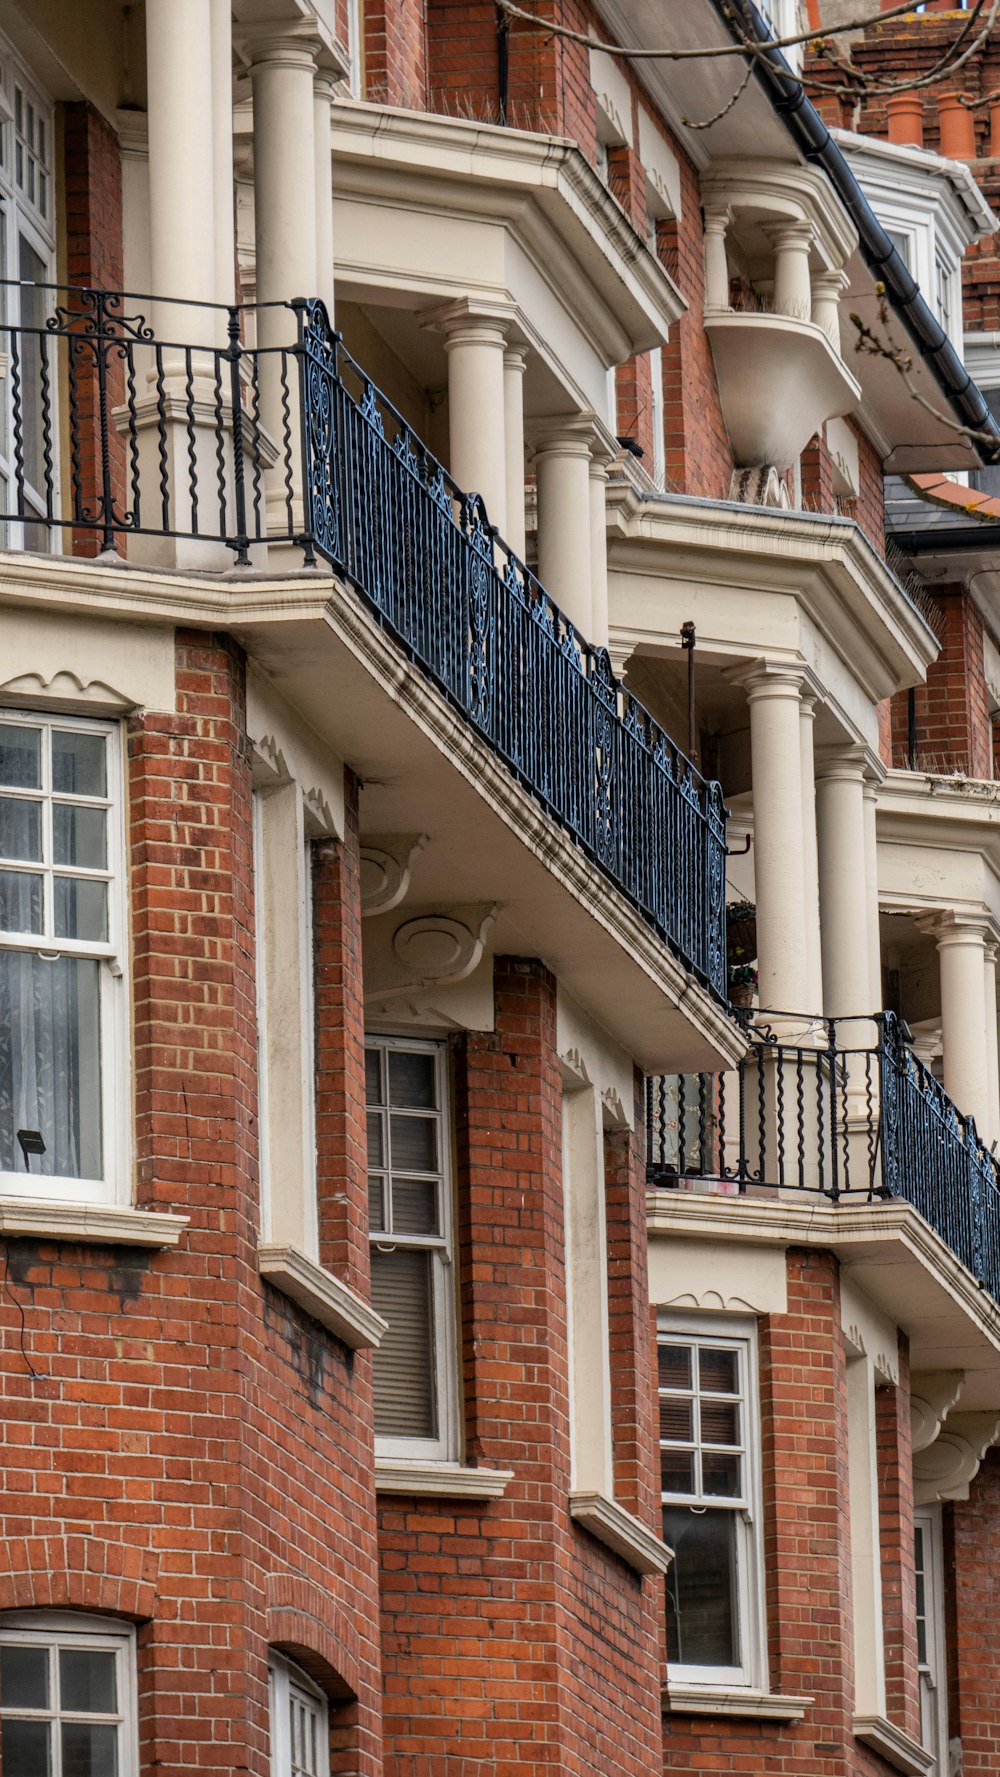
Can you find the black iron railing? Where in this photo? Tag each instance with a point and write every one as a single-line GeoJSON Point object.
{"type": "Point", "coordinates": [238, 439]}
{"type": "Point", "coordinates": [838, 1107]}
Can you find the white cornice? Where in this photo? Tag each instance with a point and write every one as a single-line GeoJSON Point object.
{"type": "Point", "coordinates": [776, 187]}
{"type": "Point", "coordinates": [539, 187]}
{"type": "Point", "coordinates": [826, 564]}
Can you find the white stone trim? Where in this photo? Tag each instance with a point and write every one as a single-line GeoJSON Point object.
{"type": "Point", "coordinates": [101, 1223]}
{"type": "Point", "coordinates": [893, 1745]}
{"type": "Point", "coordinates": [618, 1530]}
{"type": "Point", "coordinates": [333, 1303]}
{"type": "Point", "coordinates": [443, 1480]}
{"type": "Point", "coordinates": [695, 1699]}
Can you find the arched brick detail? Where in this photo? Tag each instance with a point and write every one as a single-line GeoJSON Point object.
{"type": "Point", "coordinates": [309, 1625]}
{"type": "Point", "coordinates": [77, 1573]}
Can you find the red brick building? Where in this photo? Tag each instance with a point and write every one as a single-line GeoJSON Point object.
{"type": "Point", "coordinates": [439, 1336]}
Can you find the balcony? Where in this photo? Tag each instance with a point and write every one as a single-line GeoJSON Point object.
{"type": "Point", "coordinates": [835, 1109]}
{"type": "Point", "coordinates": [246, 438]}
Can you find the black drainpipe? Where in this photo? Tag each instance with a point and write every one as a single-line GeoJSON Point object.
{"type": "Point", "coordinates": [503, 61]}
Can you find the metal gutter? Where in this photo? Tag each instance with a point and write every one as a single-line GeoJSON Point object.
{"type": "Point", "coordinates": [814, 140]}
{"type": "Point", "coordinates": [947, 540]}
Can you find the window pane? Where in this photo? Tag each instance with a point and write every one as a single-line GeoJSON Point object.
{"type": "Point", "coordinates": [677, 1471]}
{"type": "Point", "coordinates": [414, 1143]}
{"type": "Point", "coordinates": [720, 1422]}
{"type": "Point", "coordinates": [78, 764]}
{"type": "Point", "coordinates": [405, 1405]}
{"type": "Point", "coordinates": [24, 1677]}
{"type": "Point", "coordinates": [50, 1063]}
{"type": "Point", "coordinates": [89, 1749]}
{"type": "Point", "coordinates": [26, 1748]}
{"type": "Point", "coordinates": [414, 1206]}
{"type": "Point", "coordinates": [721, 1476]}
{"type": "Point", "coordinates": [87, 1681]}
{"type": "Point", "coordinates": [20, 829]}
{"type": "Point", "coordinates": [81, 909]}
{"type": "Point", "coordinates": [718, 1371]}
{"type": "Point", "coordinates": [676, 1418]}
{"type": "Point", "coordinates": [373, 1085]}
{"type": "Point", "coordinates": [20, 901]}
{"type": "Point", "coordinates": [412, 1080]}
{"type": "Point", "coordinates": [376, 1206]}
{"type": "Point", "coordinates": [20, 757]}
{"type": "Point", "coordinates": [675, 1366]}
{"type": "Point", "coordinates": [79, 836]}
{"type": "Point", "coordinates": [375, 1127]}
{"type": "Point", "coordinates": [702, 1626]}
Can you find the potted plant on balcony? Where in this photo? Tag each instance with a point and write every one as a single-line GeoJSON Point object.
{"type": "Point", "coordinates": [742, 984]}
{"type": "Point", "coordinates": [741, 933]}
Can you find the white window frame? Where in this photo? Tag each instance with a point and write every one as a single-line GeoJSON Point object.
{"type": "Point", "coordinates": [20, 216]}
{"type": "Point", "coordinates": [61, 1629]}
{"type": "Point", "coordinates": [289, 1686]}
{"type": "Point", "coordinates": [444, 1447]}
{"type": "Point", "coordinates": [751, 1671]}
{"type": "Point", "coordinates": [112, 956]}
{"type": "Point", "coordinates": [932, 1671]}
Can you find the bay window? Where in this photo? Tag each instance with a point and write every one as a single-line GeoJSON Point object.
{"type": "Point", "coordinates": [409, 1140]}
{"type": "Point", "coordinates": [67, 1697]}
{"type": "Point", "coordinates": [61, 942]}
{"type": "Point", "coordinates": [300, 1723]}
{"type": "Point", "coordinates": [709, 1476]}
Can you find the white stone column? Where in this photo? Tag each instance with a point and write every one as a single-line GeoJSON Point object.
{"type": "Point", "coordinates": [779, 871]}
{"type": "Point", "coordinates": [281, 73]}
{"type": "Point", "coordinates": [475, 345]}
{"type": "Point", "coordinates": [875, 994]}
{"type": "Point", "coordinates": [792, 283]}
{"type": "Point", "coordinates": [515, 361]}
{"type": "Point", "coordinates": [992, 1132]}
{"type": "Point", "coordinates": [562, 473]}
{"type": "Point", "coordinates": [323, 87]}
{"type": "Point", "coordinates": [827, 289]}
{"type": "Point", "coordinates": [599, 622]}
{"type": "Point", "coordinates": [810, 858]}
{"type": "Point", "coordinates": [716, 265]}
{"type": "Point", "coordinates": [222, 135]}
{"type": "Point", "coordinates": [182, 189]}
{"type": "Point", "coordinates": [843, 896]}
{"type": "Point", "coordinates": [961, 943]}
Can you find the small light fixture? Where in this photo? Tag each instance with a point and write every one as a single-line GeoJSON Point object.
{"type": "Point", "coordinates": [32, 1142]}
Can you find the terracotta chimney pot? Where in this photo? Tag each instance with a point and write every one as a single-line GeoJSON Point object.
{"type": "Point", "coordinates": [958, 129]}
{"type": "Point", "coordinates": [906, 119]}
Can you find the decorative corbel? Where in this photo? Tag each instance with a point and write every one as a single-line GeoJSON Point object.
{"type": "Point", "coordinates": [945, 1469]}
{"type": "Point", "coordinates": [933, 1394]}
{"type": "Point", "coordinates": [387, 862]}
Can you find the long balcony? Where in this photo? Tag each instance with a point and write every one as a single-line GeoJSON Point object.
{"type": "Point", "coordinates": [839, 1109]}
{"type": "Point", "coordinates": [244, 437]}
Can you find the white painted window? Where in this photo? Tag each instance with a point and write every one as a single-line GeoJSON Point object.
{"type": "Point", "coordinates": [300, 1723]}
{"type": "Point", "coordinates": [67, 1697]}
{"type": "Point", "coordinates": [27, 260]}
{"type": "Point", "coordinates": [410, 1223]}
{"type": "Point", "coordinates": [929, 1574]}
{"type": "Point", "coordinates": [63, 1046]}
{"type": "Point", "coordinates": [710, 1481]}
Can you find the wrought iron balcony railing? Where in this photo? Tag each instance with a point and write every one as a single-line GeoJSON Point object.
{"type": "Point", "coordinates": [223, 440]}
{"type": "Point", "coordinates": [822, 1106]}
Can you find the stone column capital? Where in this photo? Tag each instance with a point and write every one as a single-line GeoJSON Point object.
{"type": "Point", "coordinates": [515, 358]}
{"type": "Point", "coordinates": [768, 678]}
{"type": "Point", "coordinates": [949, 927]}
{"type": "Point", "coordinates": [469, 322]}
{"type": "Point", "coordinates": [847, 764]}
{"type": "Point", "coordinates": [281, 47]}
{"type": "Point", "coordinates": [794, 234]}
{"type": "Point", "coordinates": [830, 285]}
{"type": "Point", "coordinates": [566, 435]}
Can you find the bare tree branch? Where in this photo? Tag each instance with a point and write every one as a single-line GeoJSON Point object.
{"type": "Point", "coordinates": [886, 347]}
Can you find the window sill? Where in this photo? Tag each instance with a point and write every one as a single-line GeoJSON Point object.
{"type": "Point", "coordinates": [445, 1480]}
{"type": "Point", "coordinates": [697, 1699]}
{"type": "Point", "coordinates": [325, 1297]}
{"type": "Point", "coordinates": [98, 1222]}
{"type": "Point", "coordinates": [616, 1528]}
{"type": "Point", "coordinates": [893, 1745]}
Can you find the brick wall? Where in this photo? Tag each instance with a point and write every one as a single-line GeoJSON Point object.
{"type": "Point", "coordinates": [972, 1561]}
{"type": "Point", "coordinates": [193, 1450]}
{"type": "Point", "coordinates": [698, 455]}
{"type": "Point", "coordinates": [92, 208]}
{"type": "Point", "coordinates": [512, 1640]}
{"type": "Point", "coordinates": [396, 52]}
{"type": "Point", "coordinates": [954, 725]}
